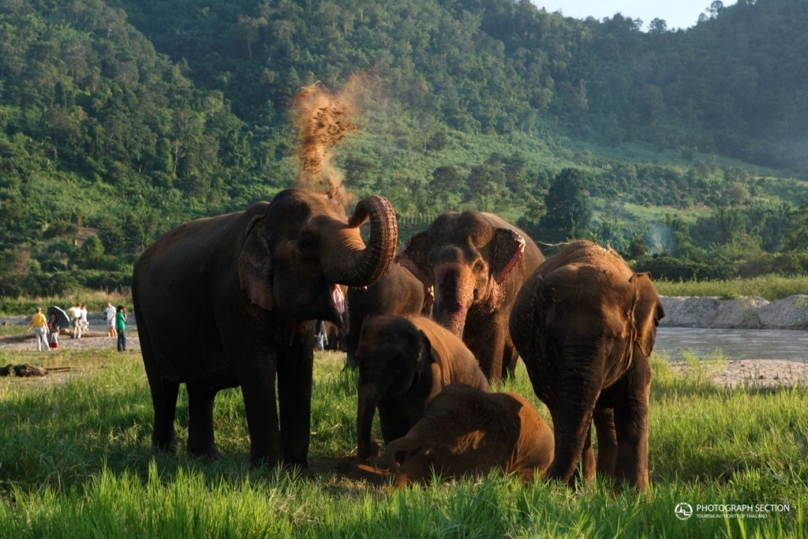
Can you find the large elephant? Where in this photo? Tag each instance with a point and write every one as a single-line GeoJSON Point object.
{"type": "Point", "coordinates": [476, 262]}
{"type": "Point", "coordinates": [585, 326]}
{"type": "Point", "coordinates": [467, 431]}
{"type": "Point", "coordinates": [397, 293]}
{"type": "Point", "coordinates": [403, 363]}
{"type": "Point", "coordinates": [259, 278]}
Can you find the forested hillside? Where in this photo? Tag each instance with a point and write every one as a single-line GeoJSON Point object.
{"type": "Point", "coordinates": [684, 150]}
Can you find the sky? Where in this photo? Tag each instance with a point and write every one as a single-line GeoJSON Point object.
{"type": "Point", "coordinates": [677, 13]}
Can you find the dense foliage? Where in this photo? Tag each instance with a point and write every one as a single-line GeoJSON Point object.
{"type": "Point", "coordinates": [120, 119]}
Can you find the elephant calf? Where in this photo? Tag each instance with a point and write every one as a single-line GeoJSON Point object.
{"type": "Point", "coordinates": [466, 431]}
{"type": "Point", "coordinates": [585, 325]}
{"type": "Point", "coordinates": [403, 363]}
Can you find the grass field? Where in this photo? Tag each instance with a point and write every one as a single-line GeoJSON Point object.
{"type": "Point", "coordinates": [75, 462]}
{"type": "Point", "coordinates": [770, 287]}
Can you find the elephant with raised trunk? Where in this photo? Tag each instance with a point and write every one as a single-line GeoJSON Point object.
{"type": "Point", "coordinates": [466, 431]}
{"type": "Point", "coordinates": [260, 278]}
{"type": "Point", "coordinates": [585, 325]}
{"type": "Point", "coordinates": [397, 293]}
{"type": "Point", "coordinates": [403, 363]}
{"type": "Point", "coordinates": [476, 262]}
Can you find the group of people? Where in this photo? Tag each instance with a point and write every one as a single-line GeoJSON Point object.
{"type": "Point", "coordinates": [46, 332]}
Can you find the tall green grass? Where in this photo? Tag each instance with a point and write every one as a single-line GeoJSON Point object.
{"type": "Point", "coordinates": [770, 287]}
{"type": "Point", "coordinates": [75, 462]}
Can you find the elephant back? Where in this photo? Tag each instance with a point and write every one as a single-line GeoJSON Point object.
{"type": "Point", "coordinates": [454, 360]}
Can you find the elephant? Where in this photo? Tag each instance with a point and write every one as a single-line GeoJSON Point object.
{"type": "Point", "coordinates": [262, 276]}
{"type": "Point", "coordinates": [476, 262]}
{"type": "Point", "coordinates": [397, 293]}
{"type": "Point", "coordinates": [467, 431]}
{"type": "Point", "coordinates": [403, 363]}
{"type": "Point", "coordinates": [585, 325]}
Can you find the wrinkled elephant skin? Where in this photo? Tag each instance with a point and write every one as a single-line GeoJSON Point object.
{"type": "Point", "coordinates": [476, 263]}
{"type": "Point", "coordinates": [397, 293]}
{"type": "Point", "coordinates": [230, 301]}
{"type": "Point", "coordinates": [465, 431]}
{"type": "Point", "coordinates": [585, 326]}
{"type": "Point", "coordinates": [403, 363]}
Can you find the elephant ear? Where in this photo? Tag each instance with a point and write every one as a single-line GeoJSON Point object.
{"type": "Point", "coordinates": [647, 311]}
{"type": "Point", "coordinates": [508, 247]}
{"type": "Point", "coordinates": [427, 356]}
{"type": "Point", "coordinates": [255, 267]}
{"type": "Point", "coordinates": [413, 256]}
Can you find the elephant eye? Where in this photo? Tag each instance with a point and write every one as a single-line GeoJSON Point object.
{"type": "Point", "coordinates": [307, 243]}
{"type": "Point", "coordinates": [479, 267]}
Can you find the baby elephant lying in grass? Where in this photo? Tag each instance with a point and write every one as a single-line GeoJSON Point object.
{"type": "Point", "coordinates": [468, 431]}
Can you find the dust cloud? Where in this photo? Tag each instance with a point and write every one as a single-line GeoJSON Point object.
{"type": "Point", "coordinates": [323, 120]}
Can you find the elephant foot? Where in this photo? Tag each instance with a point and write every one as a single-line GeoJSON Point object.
{"type": "Point", "coordinates": [208, 451]}
{"type": "Point", "coordinates": [164, 446]}
{"type": "Point", "coordinates": [366, 453]}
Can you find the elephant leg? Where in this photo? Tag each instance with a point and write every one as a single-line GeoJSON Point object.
{"type": "Point", "coordinates": [256, 373]}
{"type": "Point", "coordinates": [571, 423]}
{"type": "Point", "coordinates": [509, 360]}
{"type": "Point", "coordinates": [631, 424]}
{"type": "Point", "coordinates": [200, 422]}
{"type": "Point", "coordinates": [294, 396]}
{"type": "Point", "coordinates": [607, 441]}
{"type": "Point", "coordinates": [586, 470]}
{"type": "Point", "coordinates": [486, 339]}
{"type": "Point", "coordinates": [164, 399]}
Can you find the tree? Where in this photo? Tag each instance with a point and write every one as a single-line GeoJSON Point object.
{"type": "Point", "coordinates": [796, 234]}
{"type": "Point", "coordinates": [568, 213]}
{"type": "Point", "coordinates": [445, 179]}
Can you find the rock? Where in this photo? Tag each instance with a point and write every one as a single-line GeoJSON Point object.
{"type": "Point", "coordinates": [748, 312]}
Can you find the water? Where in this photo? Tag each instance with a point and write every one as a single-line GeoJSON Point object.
{"type": "Point", "coordinates": [785, 344]}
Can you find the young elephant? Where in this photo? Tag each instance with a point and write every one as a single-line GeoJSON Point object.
{"type": "Point", "coordinates": [585, 325]}
{"type": "Point", "coordinates": [466, 431]}
{"type": "Point", "coordinates": [403, 363]}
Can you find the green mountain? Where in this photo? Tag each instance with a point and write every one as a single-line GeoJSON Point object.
{"type": "Point", "coordinates": [120, 119]}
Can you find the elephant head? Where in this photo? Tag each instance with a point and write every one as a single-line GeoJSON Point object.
{"type": "Point", "coordinates": [298, 248]}
{"type": "Point", "coordinates": [466, 258]}
{"type": "Point", "coordinates": [393, 356]}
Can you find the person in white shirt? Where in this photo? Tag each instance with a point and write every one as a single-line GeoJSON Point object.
{"type": "Point", "coordinates": [85, 325]}
{"type": "Point", "coordinates": [75, 318]}
{"type": "Point", "coordinates": [110, 317]}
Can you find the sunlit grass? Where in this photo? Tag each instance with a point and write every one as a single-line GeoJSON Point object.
{"type": "Point", "coordinates": [770, 287]}
{"type": "Point", "coordinates": [75, 462]}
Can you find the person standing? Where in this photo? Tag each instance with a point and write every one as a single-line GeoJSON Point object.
{"type": "Point", "coordinates": [40, 325]}
{"type": "Point", "coordinates": [120, 327]}
{"type": "Point", "coordinates": [53, 328]}
{"type": "Point", "coordinates": [85, 325]}
{"type": "Point", "coordinates": [110, 318]}
{"type": "Point", "coordinates": [319, 334]}
{"type": "Point", "coordinates": [75, 318]}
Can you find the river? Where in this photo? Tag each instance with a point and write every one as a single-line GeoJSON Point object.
{"type": "Point", "coordinates": [787, 344]}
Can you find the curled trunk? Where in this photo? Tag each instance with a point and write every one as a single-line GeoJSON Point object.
{"type": "Point", "coordinates": [349, 261]}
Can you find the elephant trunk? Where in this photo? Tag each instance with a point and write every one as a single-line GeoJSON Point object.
{"type": "Point", "coordinates": [348, 261]}
{"type": "Point", "coordinates": [369, 396]}
{"type": "Point", "coordinates": [454, 293]}
{"type": "Point", "coordinates": [420, 432]}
